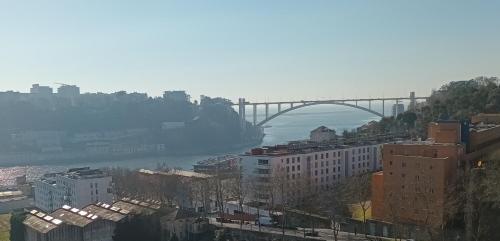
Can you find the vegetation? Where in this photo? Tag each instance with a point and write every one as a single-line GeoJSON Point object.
{"type": "Point", "coordinates": [17, 226]}
{"type": "Point", "coordinates": [212, 125]}
{"type": "Point", "coordinates": [4, 227]}
{"type": "Point", "coordinates": [139, 227]}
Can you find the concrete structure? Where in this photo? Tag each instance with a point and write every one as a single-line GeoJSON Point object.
{"type": "Point", "coordinates": [418, 177]}
{"type": "Point", "coordinates": [41, 91]}
{"type": "Point", "coordinates": [293, 105]}
{"type": "Point", "coordinates": [68, 91]}
{"type": "Point", "coordinates": [305, 167]}
{"type": "Point", "coordinates": [78, 187]}
{"type": "Point", "coordinates": [397, 109]}
{"type": "Point", "coordinates": [322, 134]}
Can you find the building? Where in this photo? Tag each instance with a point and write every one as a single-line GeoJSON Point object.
{"type": "Point", "coordinates": [218, 165]}
{"type": "Point", "coordinates": [413, 102]}
{"type": "Point", "coordinates": [418, 177]}
{"type": "Point", "coordinates": [78, 187]}
{"type": "Point", "coordinates": [397, 109]}
{"type": "Point", "coordinates": [68, 91]}
{"type": "Point", "coordinates": [176, 96]}
{"type": "Point", "coordinates": [322, 134]}
{"type": "Point", "coordinates": [11, 200]}
{"type": "Point", "coordinates": [95, 222]}
{"type": "Point", "coordinates": [41, 91]}
{"type": "Point", "coordinates": [180, 184]}
{"type": "Point", "coordinates": [183, 224]}
{"type": "Point", "coordinates": [305, 167]}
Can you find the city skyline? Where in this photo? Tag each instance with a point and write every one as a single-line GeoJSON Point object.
{"type": "Point", "coordinates": [261, 51]}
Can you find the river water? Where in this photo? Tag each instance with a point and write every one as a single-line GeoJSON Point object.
{"type": "Point", "coordinates": [294, 125]}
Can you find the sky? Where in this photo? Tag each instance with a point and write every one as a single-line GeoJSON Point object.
{"type": "Point", "coordinates": [260, 50]}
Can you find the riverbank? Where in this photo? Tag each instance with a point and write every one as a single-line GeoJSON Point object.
{"type": "Point", "coordinates": [68, 158]}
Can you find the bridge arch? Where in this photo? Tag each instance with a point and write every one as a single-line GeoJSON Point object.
{"type": "Point", "coordinates": [261, 123]}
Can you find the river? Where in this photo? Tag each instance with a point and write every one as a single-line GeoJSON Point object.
{"type": "Point", "coordinates": [294, 125]}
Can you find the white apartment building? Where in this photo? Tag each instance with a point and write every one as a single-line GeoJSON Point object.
{"type": "Point", "coordinates": [305, 167]}
{"type": "Point", "coordinates": [78, 187]}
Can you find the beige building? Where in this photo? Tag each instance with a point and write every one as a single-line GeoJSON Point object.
{"type": "Point", "coordinates": [305, 167]}
{"type": "Point", "coordinates": [322, 134]}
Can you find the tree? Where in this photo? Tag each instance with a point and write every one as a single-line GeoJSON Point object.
{"type": "Point", "coordinates": [359, 193]}
{"type": "Point", "coordinates": [334, 203]}
{"type": "Point", "coordinates": [16, 225]}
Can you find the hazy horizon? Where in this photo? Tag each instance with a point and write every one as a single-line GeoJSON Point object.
{"type": "Point", "coordinates": [260, 50]}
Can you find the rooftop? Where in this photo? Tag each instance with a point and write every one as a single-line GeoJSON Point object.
{"type": "Point", "coordinates": [74, 216]}
{"type": "Point", "coordinates": [106, 211]}
{"type": "Point", "coordinates": [174, 172]}
{"type": "Point", "coordinates": [303, 147]}
{"type": "Point", "coordinates": [41, 222]}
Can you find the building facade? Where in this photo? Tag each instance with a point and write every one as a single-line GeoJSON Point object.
{"type": "Point", "coordinates": [295, 170]}
{"type": "Point", "coordinates": [78, 187]}
{"type": "Point", "coordinates": [322, 134]}
{"type": "Point", "coordinates": [418, 177]}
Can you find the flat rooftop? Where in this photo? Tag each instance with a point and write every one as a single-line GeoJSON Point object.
{"type": "Point", "coordinates": [180, 173]}
{"type": "Point", "coordinates": [304, 147]}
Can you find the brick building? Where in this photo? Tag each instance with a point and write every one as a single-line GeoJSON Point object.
{"type": "Point", "coordinates": [418, 177]}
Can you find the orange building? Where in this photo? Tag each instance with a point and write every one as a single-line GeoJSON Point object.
{"type": "Point", "coordinates": [417, 177]}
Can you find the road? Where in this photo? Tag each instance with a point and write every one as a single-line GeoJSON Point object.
{"type": "Point", "coordinates": [323, 234]}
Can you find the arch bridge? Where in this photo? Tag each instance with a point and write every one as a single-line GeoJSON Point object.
{"type": "Point", "coordinates": [293, 105]}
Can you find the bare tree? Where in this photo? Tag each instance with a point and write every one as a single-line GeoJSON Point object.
{"type": "Point", "coordinates": [359, 193]}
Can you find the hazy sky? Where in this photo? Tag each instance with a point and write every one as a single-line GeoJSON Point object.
{"type": "Point", "coordinates": [261, 50]}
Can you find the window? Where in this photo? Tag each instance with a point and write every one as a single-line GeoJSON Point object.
{"type": "Point", "coordinates": [287, 169]}
{"type": "Point", "coordinates": [327, 163]}
{"type": "Point", "coordinates": [298, 159]}
{"type": "Point", "coordinates": [321, 171]}
{"type": "Point", "coordinates": [315, 156]}
{"type": "Point", "coordinates": [326, 155]}
{"type": "Point", "coordinates": [322, 164]}
{"type": "Point", "coordinates": [288, 161]}
{"type": "Point", "coordinates": [338, 169]}
{"type": "Point", "coordinates": [298, 167]}
{"type": "Point", "coordinates": [263, 162]}
{"type": "Point", "coordinates": [327, 171]}
{"type": "Point", "coordinates": [390, 163]}
{"type": "Point", "coordinates": [322, 155]}
{"type": "Point", "coordinates": [316, 165]}
{"type": "Point", "coordinates": [315, 172]}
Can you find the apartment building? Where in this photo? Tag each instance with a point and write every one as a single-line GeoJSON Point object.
{"type": "Point", "coordinates": [305, 167]}
{"type": "Point", "coordinates": [419, 177]}
{"type": "Point", "coordinates": [78, 187]}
